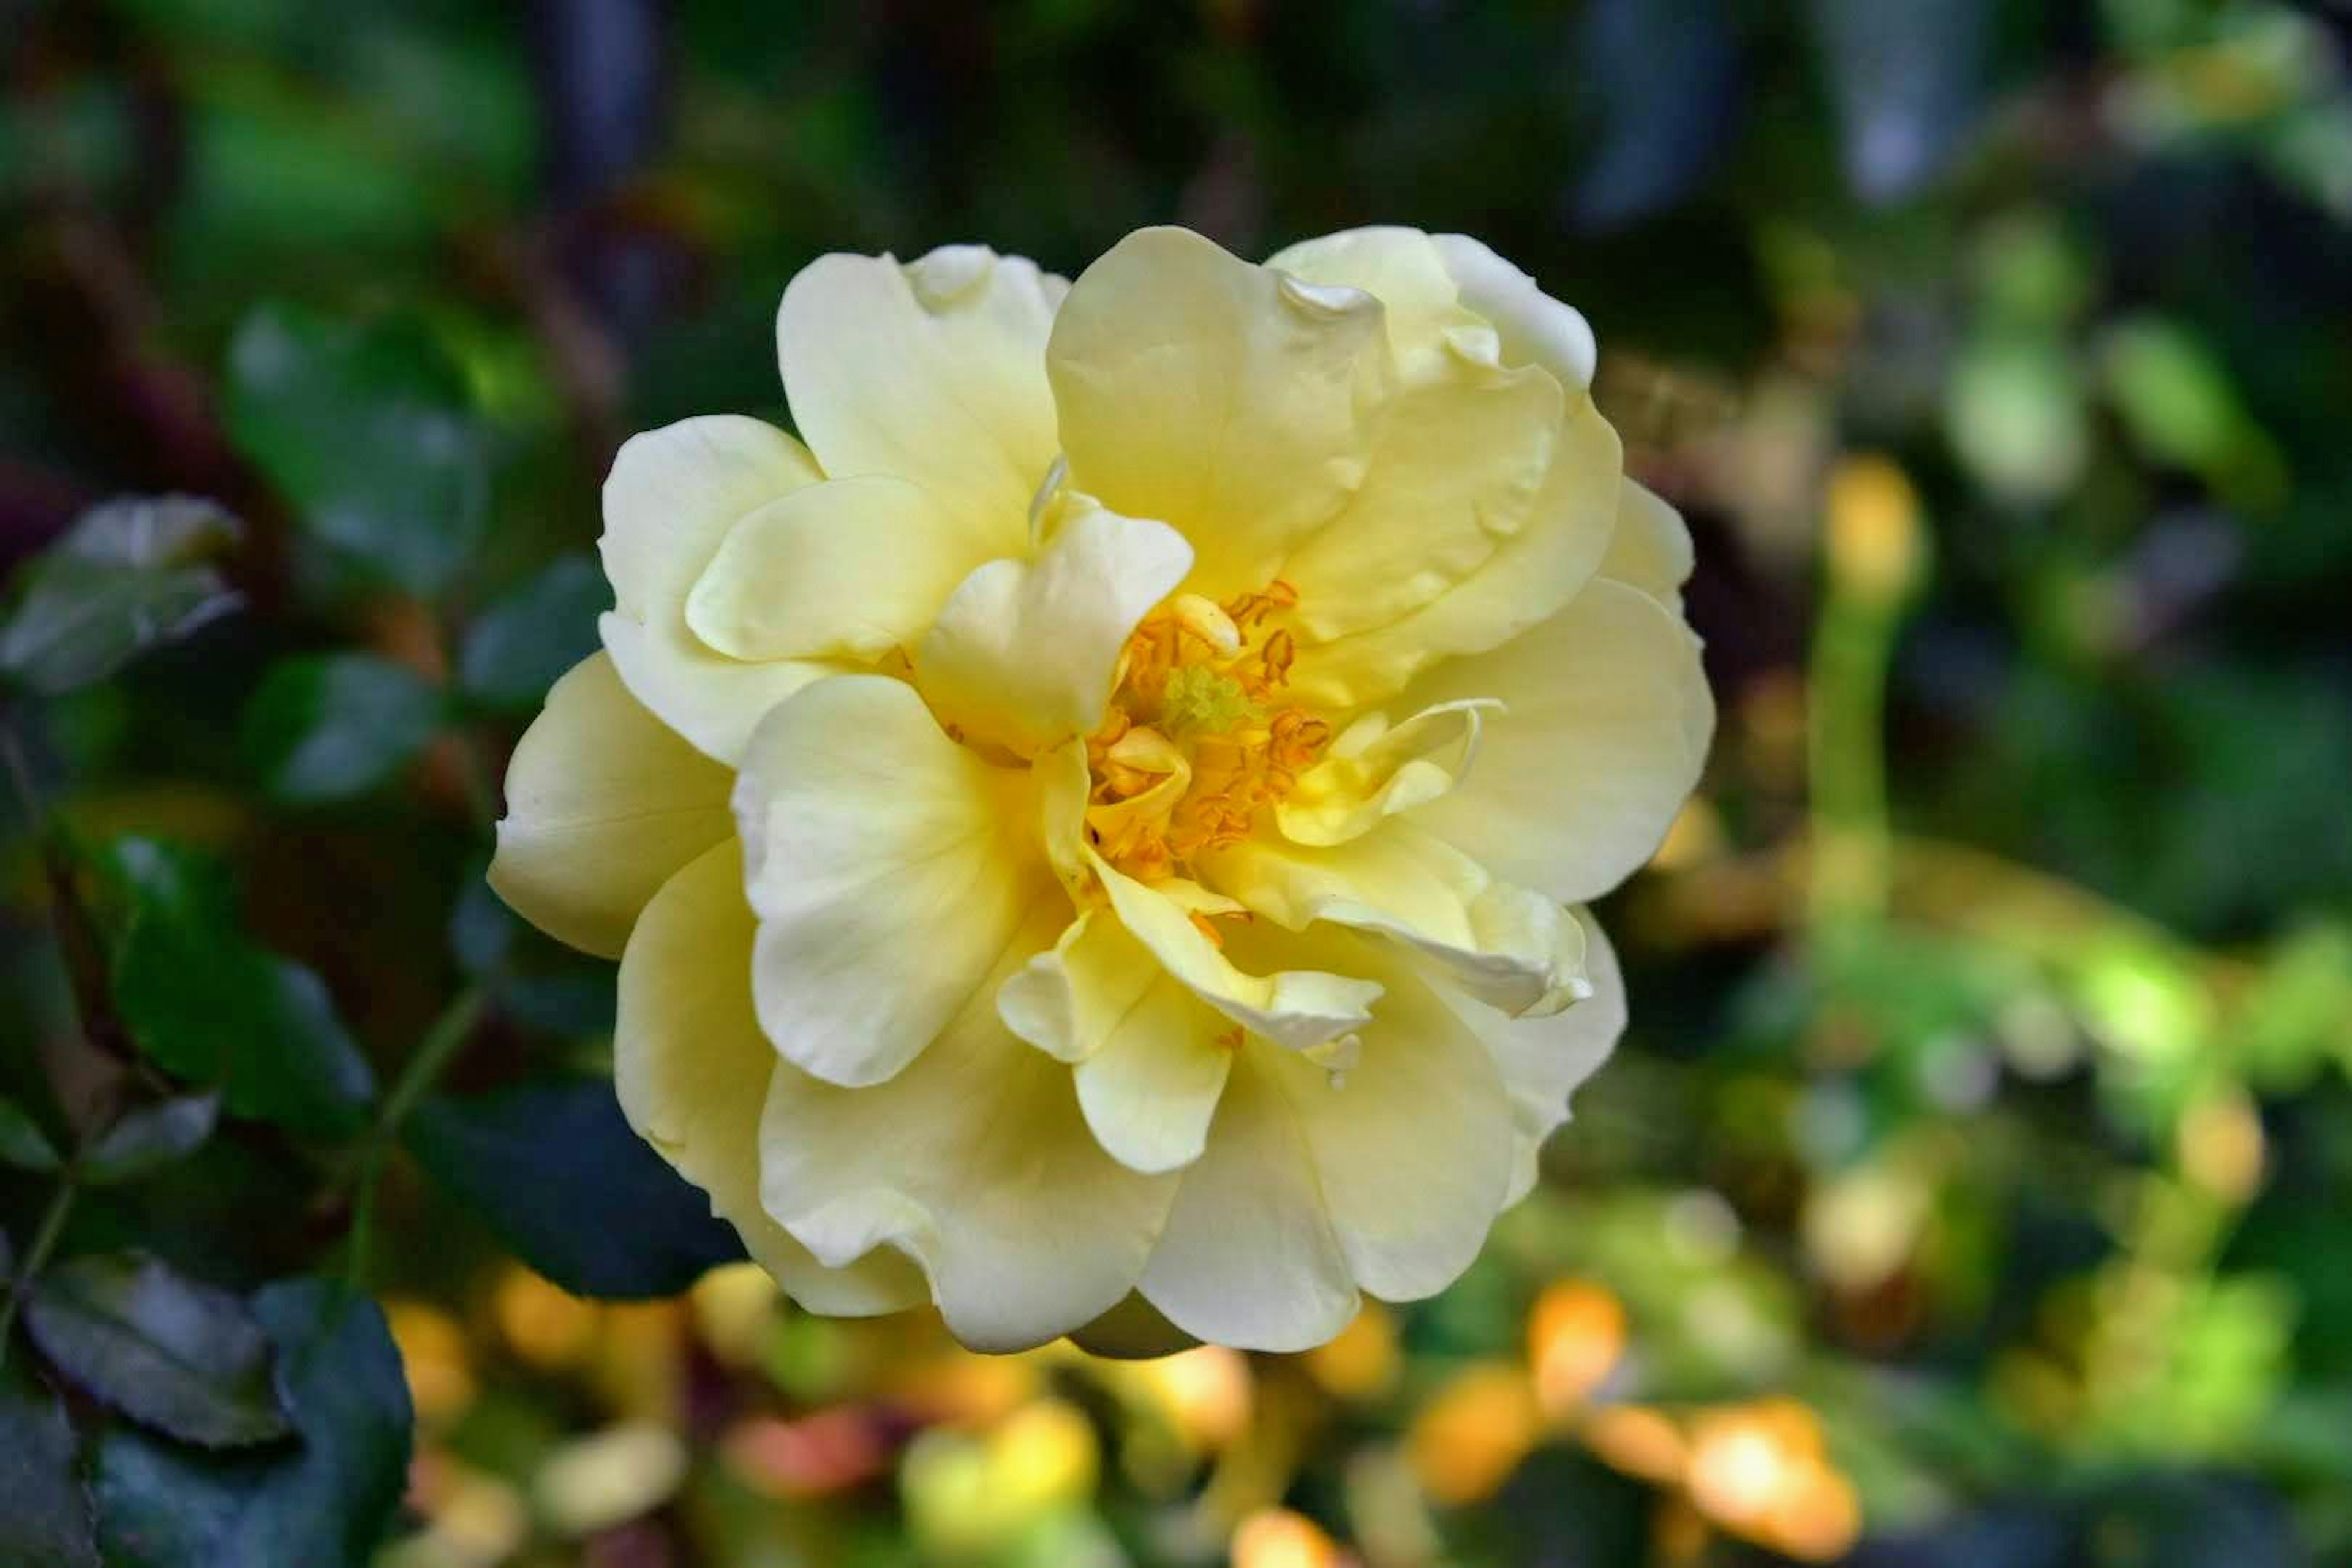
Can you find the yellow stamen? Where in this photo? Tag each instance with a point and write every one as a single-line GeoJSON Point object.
{"type": "Point", "coordinates": [1194, 747]}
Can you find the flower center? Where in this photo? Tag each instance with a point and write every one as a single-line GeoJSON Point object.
{"type": "Point", "coordinates": [1197, 741]}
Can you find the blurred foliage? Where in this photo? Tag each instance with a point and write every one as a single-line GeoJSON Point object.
{"type": "Point", "coordinates": [1963, 1191]}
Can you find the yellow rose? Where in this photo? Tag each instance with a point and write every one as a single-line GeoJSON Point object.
{"type": "Point", "coordinates": [1102, 824]}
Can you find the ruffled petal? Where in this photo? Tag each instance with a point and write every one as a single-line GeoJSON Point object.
{"type": "Point", "coordinates": [890, 869]}
{"type": "Point", "coordinates": [1400, 267]}
{"type": "Point", "coordinates": [1543, 1061]}
{"type": "Point", "coordinates": [1606, 726]}
{"type": "Point", "coordinates": [1651, 549]}
{"type": "Point", "coordinates": [672, 498]}
{"type": "Point", "coordinates": [692, 1072]}
{"type": "Point", "coordinates": [1375, 770]}
{"type": "Point", "coordinates": [1301, 1009]}
{"type": "Point", "coordinates": [1025, 652]}
{"type": "Point", "coordinates": [1149, 1092]}
{"type": "Point", "coordinates": [603, 803]}
{"type": "Point", "coordinates": [847, 569]}
{"type": "Point", "coordinates": [1249, 1257]}
{"type": "Point", "coordinates": [933, 371]}
{"type": "Point", "coordinates": [1066, 1000]}
{"type": "Point", "coordinates": [1529, 576]}
{"type": "Point", "coordinates": [976, 1163]}
{"type": "Point", "coordinates": [1501, 942]}
{"type": "Point", "coordinates": [1535, 328]}
{"type": "Point", "coordinates": [1229, 400]}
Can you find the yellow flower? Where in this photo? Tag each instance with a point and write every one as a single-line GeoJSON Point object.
{"type": "Point", "coordinates": [1103, 823]}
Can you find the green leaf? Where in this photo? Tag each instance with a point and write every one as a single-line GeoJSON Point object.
{"type": "Point", "coordinates": [328, 1500]}
{"type": "Point", "coordinates": [368, 429]}
{"type": "Point", "coordinates": [149, 1137]}
{"type": "Point", "coordinates": [129, 576]}
{"type": "Point", "coordinates": [210, 1007]}
{"type": "Point", "coordinates": [555, 1169]}
{"type": "Point", "coordinates": [327, 727]}
{"type": "Point", "coordinates": [45, 1522]}
{"type": "Point", "coordinates": [22, 1143]}
{"type": "Point", "coordinates": [514, 653]}
{"type": "Point", "coordinates": [176, 1356]}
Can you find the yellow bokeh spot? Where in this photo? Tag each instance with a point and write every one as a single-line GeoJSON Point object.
{"type": "Point", "coordinates": [1469, 1439]}
{"type": "Point", "coordinates": [1363, 1361]}
{"type": "Point", "coordinates": [1277, 1538]}
{"type": "Point", "coordinates": [543, 1324]}
{"type": "Point", "coordinates": [1636, 1440]}
{"type": "Point", "coordinates": [433, 1357]}
{"type": "Point", "coordinates": [733, 1306]}
{"type": "Point", "coordinates": [2222, 1147]}
{"type": "Point", "coordinates": [1205, 1393]}
{"type": "Point", "coordinates": [1576, 1334]}
{"type": "Point", "coordinates": [1874, 528]}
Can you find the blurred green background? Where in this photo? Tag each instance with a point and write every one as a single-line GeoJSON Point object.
{"type": "Point", "coordinates": [1968, 1188]}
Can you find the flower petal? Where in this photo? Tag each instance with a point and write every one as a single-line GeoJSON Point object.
{"type": "Point", "coordinates": [1149, 1092]}
{"type": "Point", "coordinates": [1543, 1061]}
{"type": "Point", "coordinates": [1411, 1146]}
{"type": "Point", "coordinates": [1248, 1258]}
{"type": "Point", "coordinates": [1501, 942]}
{"type": "Point", "coordinates": [1226, 399]}
{"type": "Point", "coordinates": [975, 1162]}
{"type": "Point", "coordinates": [1536, 329]}
{"type": "Point", "coordinates": [1530, 574]}
{"type": "Point", "coordinates": [671, 499]}
{"type": "Point", "coordinates": [933, 371]}
{"type": "Point", "coordinates": [1066, 1000]}
{"type": "Point", "coordinates": [692, 1071]}
{"type": "Point", "coordinates": [603, 805]}
{"type": "Point", "coordinates": [848, 568]}
{"type": "Point", "coordinates": [1459, 458]}
{"type": "Point", "coordinates": [889, 867]}
{"type": "Point", "coordinates": [1651, 549]}
{"type": "Point", "coordinates": [1609, 717]}
{"type": "Point", "coordinates": [1399, 267]}
{"type": "Point", "coordinates": [1024, 652]}
{"type": "Point", "coordinates": [1301, 1009]}
{"type": "Point", "coordinates": [1375, 770]}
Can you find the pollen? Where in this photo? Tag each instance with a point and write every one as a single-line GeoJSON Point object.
{"type": "Point", "coordinates": [1198, 743]}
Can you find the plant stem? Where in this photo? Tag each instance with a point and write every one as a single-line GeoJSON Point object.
{"type": "Point", "coordinates": [36, 1257]}
{"type": "Point", "coordinates": [435, 1052]}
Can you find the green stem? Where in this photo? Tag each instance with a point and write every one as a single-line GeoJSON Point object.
{"type": "Point", "coordinates": [438, 1049]}
{"type": "Point", "coordinates": [36, 1257]}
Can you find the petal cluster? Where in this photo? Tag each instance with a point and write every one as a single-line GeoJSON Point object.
{"type": "Point", "coordinates": [1096, 830]}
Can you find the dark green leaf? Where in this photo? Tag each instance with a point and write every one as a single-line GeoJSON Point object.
{"type": "Point", "coordinates": [179, 1356]}
{"type": "Point", "coordinates": [553, 1167]}
{"type": "Point", "coordinates": [45, 1519]}
{"type": "Point", "coordinates": [327, 727]}
{"type": "Point", "coordinates": [22, 1143]}
{"type": "Point", "coordinates": [328, 1500]}
{"type": "Point", "coordinates": [210, 1007]}
{"type": "Point", "coordinates": [520, 644]}
{"type": "Point", "coordinates": [369, 430]}
{"type": "Point", "coordinates": [127, 576]}
{"type": "Point", "coordinates": [150, 1136]}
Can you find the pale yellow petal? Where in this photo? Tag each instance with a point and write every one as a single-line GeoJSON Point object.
{"type": "Point", "coordinates": [1374, 770]}
{"type": "Point", "coordinates": [692, 1071]}
{"type": "Point", "coordinates": [1459, 458]}
{"type": "Point", "coordinates": [1248, 1258]}
{"type": "Point", "coordinates": [1024, 653]}
{"type": "Point", "coordinates": [672, 498]}
{"type": "Point", "coordinates": [1411, 1146]}
{"type": "Point", "coordinates": [1530, 574]}
{"type": "Point", "coordinates": [603, 803]}
{"type": "Point", "coordinates": [1503, 943]}
{"type": "Point", "coordinates": [1544, 1060]}
{"type": "Point", "coordinates": [1535, 328]}
{"type": "Point", "coordinates": [976, 1163]}
{"type": "Point", "coordinates": [1400, 267]}
{"type": "Point", "coordinates": [1651, 549]}
{"type": "Point", "coordinates": [1068, 999]}
{"type": "Point", "coordinates": [890, 869]}
{"type": "Point", "coordinates": [1605, 730]}
{"type": "Point", "coordinates": [1149, 1090]}
{"type": "Point", "coordinates": [1297, 1008]}
{"type": "Point", "coordinates": [1229, 400]}
{"type": "Point", "coordinates": [933, 371]}
{"type": "Point", "coordinates": [849, 568]}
